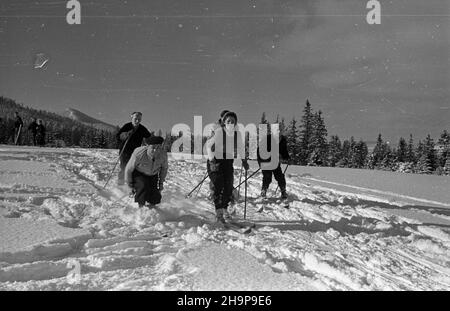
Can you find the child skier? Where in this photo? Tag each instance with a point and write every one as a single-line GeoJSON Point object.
{"type": "Point", "coordinates": [222, 148]}
{"type": "Point", "coordinates": [277, 173]}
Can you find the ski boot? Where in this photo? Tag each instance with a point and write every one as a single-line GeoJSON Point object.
{"type": "Point", "coordinates": [284, 195]}
{"type": "Point", "coordinates": [264, 193]}
{"type": "Point", "coordinates": [226, 215]}
{"type": "Point", "coordinates": [151, 206]}
{"type": "Point", "coordinates": [220, 215]}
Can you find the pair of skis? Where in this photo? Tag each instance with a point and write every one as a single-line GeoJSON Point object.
{"type": "Point", "coordinates": [284, 203]}
{"type": "Point", "coordinates": [238, 226]}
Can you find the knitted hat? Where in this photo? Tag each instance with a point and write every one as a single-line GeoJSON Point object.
{"type": "Point", "coordinates": [223, 113]}
{"type": "Point", "coordinates": [230, 114]}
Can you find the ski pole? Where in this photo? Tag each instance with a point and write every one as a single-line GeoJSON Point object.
{"type": "Point", "coordinates": [198, 191]}
{"type": "Point", "coordinates": [199, 184]}
{"type": "Point", "coordinates": [117, 161]}
{"type": "Point", "coordinates": [18, 134]}
{"type": "Point", "coordinates": [287, 165]}
{"type": "Point", "coordinates": [253, 174]}
{"type": "Point", "coordinates": [245, 196]}
{"type": "Point", "coordinates": [239, 187]}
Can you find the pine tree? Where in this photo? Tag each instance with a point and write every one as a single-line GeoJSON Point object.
{"type": "Point", "coordinates": [410, 153]}
{"type": "Point", "coordinates": [431, 152]}
{"type": "Point", "coordinates": [379, 152]}
{"type": "Point", "coordinates": [264, 119]}
{"type": "Point", "coordinates": [402, 151]}
{"type": "Point", "coordinates": [444, 147]}
{"type": "Point", "coordinates": [293, 141]}
{"type": "Point", "coordinates": [334, 151]}
{"type": "Point", "coordinates": [318, 145]}
{"type": "Point", "coordinates": [306, 133]}
{"type": "Point", "coordinates": [345, 160]}
{"type": "Point", "coordinates": [424, 165]}
{"type": "Point", "coordinates": [447, 165]}
{"type": "Point", "coordinates": [359, 154]}
{"type": "Point", "coordinates": [389, 159]}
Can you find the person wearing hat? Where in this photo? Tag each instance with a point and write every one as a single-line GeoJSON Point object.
{"type": "Point", "coordinates": [146, 171]}
{"type": "Point", "coordinates": [130, 137]}
{"type": "Point", "coordinates": [220, 162]}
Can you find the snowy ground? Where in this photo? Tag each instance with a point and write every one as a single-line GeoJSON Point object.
{"type": "Point", "coordinates": [341, 232]}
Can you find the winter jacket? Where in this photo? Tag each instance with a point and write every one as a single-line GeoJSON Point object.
{"type": "Point", "coordinates": [216, 146]}
{"type": "Point", "coordinates": [147, 163]}
{"type": "Point", "coordinates": [18, 122]}
{"type": "Point", "coordinates": [283, 151]}
{"type": "Point", "coordinates": [33, 127]}
{"type": "Point", "coordinates": [135, 141]}
{"type": "Point", "coordinates": [40, 129]}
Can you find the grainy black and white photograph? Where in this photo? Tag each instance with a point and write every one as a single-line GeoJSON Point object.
{"type": "Point", "coordinates": [224, 145]}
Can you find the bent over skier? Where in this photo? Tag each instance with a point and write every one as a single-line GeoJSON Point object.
{"type": "Point", "coordinates": [146, 171]}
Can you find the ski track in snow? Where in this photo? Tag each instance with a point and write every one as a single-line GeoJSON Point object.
{"type": "Point", "coordinates": [53, 211]}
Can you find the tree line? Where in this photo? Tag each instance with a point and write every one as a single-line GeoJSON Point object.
{"type": "Point", "coordinates": [60, 131]}
{"type": "Point", "coordinates": [307, 140]}
{"type": "Point", "coordinates": [309, 144]}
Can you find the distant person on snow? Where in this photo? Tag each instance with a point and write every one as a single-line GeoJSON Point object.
{"type": "Point", "coordinates": [40, 133]}
{"type": "Point", "coordinates": [33, 129]}
{"type": "Point", "coordinates": [130, 137]}
{"type": "Point", "coordinates": [18, 124]}
{"type": "Point", "coordinates": [277, 173]}
{"type": "Point", "coordinates": [146, 171]}
{"type": "Point", "coordinates": [220, 162]}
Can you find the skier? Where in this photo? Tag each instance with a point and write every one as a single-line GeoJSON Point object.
{"type": "Point", "coordinates": [18, 124]}
{"type": "Point", "coordinates": [146, 171]}
{"type": "Point", "coordinates": [217, 125]}
{"type": "Point", "coordinates": [220, 162]}
{"type": "Point", "coordinates": [40, 133]}
{"type": "Point", "coordinates": [33, 128]}
{"type": "Point", "coordinates": [130, 137]}
{"type": "Point", "coordinates": [277, 173]}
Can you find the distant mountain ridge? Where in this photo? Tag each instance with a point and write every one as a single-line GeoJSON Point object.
{"type": "Point", "coordinates": [79, 116]}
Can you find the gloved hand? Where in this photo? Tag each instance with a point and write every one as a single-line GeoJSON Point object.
{"type": "Point", "coordinates": [245, 165]}
{"type": "Point", "coordinates": [132, 190]}
{"type": "Point", "coordinates": [125, 135]}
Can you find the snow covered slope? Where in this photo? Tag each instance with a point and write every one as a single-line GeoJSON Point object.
{"type": "Point", "coordinates": [54, 213]}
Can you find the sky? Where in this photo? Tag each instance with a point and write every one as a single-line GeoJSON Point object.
{"type": "Point", "coordinates": [173, 59]}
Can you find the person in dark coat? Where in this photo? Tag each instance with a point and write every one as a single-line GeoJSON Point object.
{"type": "Point", "coordinates": [277, 172]}
{"type": "Point", "coordinates": [220, 163]}
{"type": "Point", "coordinates": [18, 124]}
{"type": "Point", "coordinates": [130, 137]}
{"type": "Point", "coordinates": [40, 133]}
{"type": "Point", "coordinates": [146, 171]}
{"type": "Point", "coordinates": [217, 125]}
{"type": "Point", "coordinates": [33, 129]}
